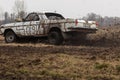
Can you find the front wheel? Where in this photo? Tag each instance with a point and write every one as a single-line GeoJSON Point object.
{"type": "Point", "coordinates": [10, 37]}
{"type": "Point", "coordinates": [55, 38]}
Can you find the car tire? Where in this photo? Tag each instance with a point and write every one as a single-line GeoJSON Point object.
{"type": "Point", "coordinates": [10, 37]}
{"type": "Point", "coordinates": [55, 38]}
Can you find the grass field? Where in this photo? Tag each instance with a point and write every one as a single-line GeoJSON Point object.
{"type": "Point", "coordinates": [97, 58]}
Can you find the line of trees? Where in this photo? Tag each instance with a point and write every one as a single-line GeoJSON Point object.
{"type": "Point", "coordinates": [103, 21]}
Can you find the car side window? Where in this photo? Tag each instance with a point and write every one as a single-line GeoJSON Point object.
{"type": "Point", "coordinates": [36, 18]}
{"type": "Point", "coordinates": [32, 17]}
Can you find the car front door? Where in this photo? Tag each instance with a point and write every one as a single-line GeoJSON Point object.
{"type": "Point", "coordinates": [31, 26]}
{"type": "Point", "coordinates": [23, 28]}
{"type": "Point", "coordinates": [34, 27]}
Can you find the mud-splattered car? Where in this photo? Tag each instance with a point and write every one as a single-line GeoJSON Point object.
{"type": "Point", "coordinates": [51, 25]}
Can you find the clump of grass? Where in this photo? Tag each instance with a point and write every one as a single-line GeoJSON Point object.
{"type": "Point", "coordinates": [9, 73]}
{"type": "Point", "coordinates": [57, 75]}
{"type": "Point", "coordinates": [99, 78]}
{"type": "Point", "coordinates": [118, 68]}
{"type": "Point", "coordinates": [53, 75]}
{"type": "Point", "coordinates": [23, 71]}
{"type": "Point", "coordinates": [101, 66]}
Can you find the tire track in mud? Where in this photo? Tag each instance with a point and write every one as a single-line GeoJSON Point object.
{"type": "Point", "coordinates": [100, 52]}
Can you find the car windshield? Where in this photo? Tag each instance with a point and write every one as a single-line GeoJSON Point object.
{"type": "Point", "coordinates": [54, 16]}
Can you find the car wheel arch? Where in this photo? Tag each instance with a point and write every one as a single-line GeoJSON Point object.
{"type": "Point", "coordinates": [7, 31]}
{"type": "Point", "coordinates": [55, 29]}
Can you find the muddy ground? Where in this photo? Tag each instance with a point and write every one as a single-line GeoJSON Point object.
{"type": "Point", "coordinates": [97, 58]}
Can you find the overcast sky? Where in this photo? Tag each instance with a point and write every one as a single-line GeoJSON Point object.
{"type": "Point", "coordinates": [69, 8]}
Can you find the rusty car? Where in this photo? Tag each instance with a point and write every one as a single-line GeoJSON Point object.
{"type": "Point", "coordinates": [51, 25]}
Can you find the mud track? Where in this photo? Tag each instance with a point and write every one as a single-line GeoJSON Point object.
{"type": "Point", "coordinates": [38, 61]}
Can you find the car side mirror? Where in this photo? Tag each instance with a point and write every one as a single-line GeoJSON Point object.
{"type": "Point", "coordinates": [18, 20]}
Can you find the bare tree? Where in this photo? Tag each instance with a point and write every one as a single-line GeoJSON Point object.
{"type": "Point", "coordinates": [91, 16]}
{"type": "Point", "coordinates": [1, 15]}
{"type": "Point", "coordinates": [19, 8]}
{"type": "Point", "coordinates": [6, 15]}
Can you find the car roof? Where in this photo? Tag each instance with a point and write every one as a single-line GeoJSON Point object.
{"type": "Point", "coordinates": [42, 13]}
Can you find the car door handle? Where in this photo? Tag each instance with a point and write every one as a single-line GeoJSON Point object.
{"type": "Point", "coordinates": [37, 22]}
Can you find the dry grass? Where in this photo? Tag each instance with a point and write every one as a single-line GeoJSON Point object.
{"type": "Point", "coordinates": [99, 60]}
{"type": "Point", "coordinates": [106, 37]}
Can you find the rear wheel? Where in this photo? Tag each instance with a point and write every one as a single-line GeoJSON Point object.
{"type": "Point", "coordinates": [55, 38]}
{"type": "Point", "coordinates": [10, 37]}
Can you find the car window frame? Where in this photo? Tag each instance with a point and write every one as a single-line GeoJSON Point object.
{"type": "Point", "coordinates": [35, 14]}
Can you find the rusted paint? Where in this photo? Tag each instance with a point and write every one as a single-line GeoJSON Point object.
{"type": "Point", "coordinates": [41, 27]}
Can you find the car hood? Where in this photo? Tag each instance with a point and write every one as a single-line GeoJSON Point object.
{"type": "Point", "coordinates": [8, 25]}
